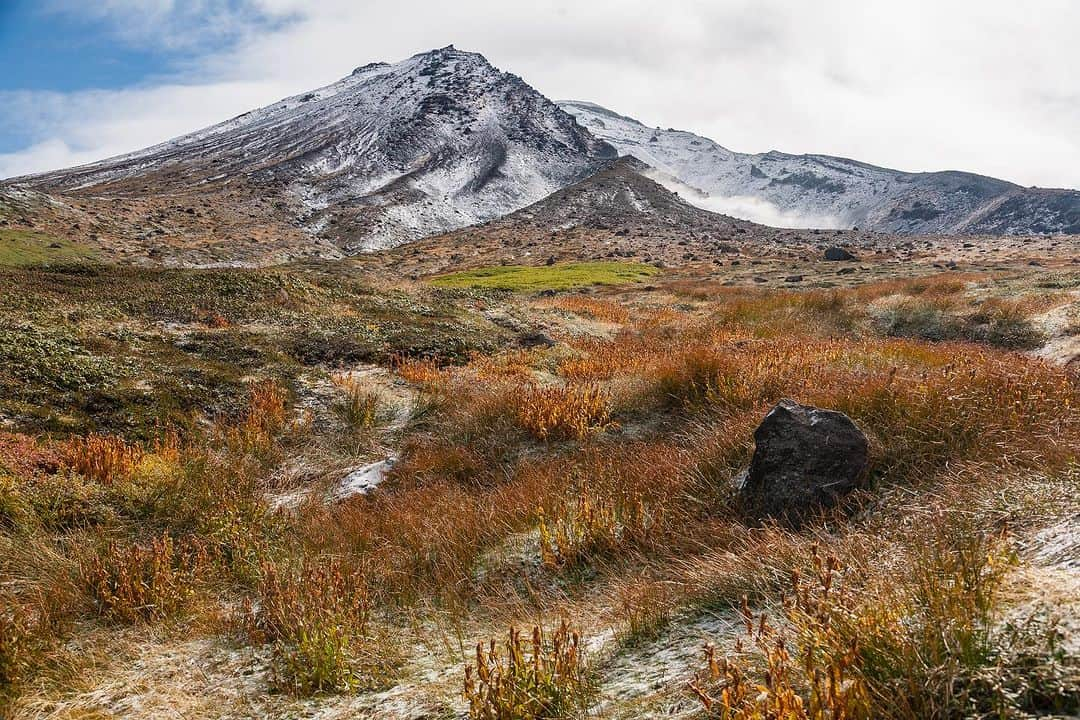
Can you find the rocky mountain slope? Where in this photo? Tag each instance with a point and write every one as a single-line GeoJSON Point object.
{"type": "Point", "coordinates": [619, 212]}
{"type": "Point", "coordinates": [444, 141]}
{"type": "Point", "coordinates": [389, 154]}
{"type": "Point", "coordinates": [824, 191]}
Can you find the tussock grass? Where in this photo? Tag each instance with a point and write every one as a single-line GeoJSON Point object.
{"type": "Point", "coordinates": [361, 405]}
{"type": "Point", "coordinates": [546, 676]}
{"type": "Point", "coordinates": [571, 411]}
{"type": "Point", "coordinates": [315, 616]}
{"type": "Point", "coordinates": [592, 479]}
{"type": "Point", "coordinates": [137, 582]}
{"type": "Point", "coordinates": [102, 458]}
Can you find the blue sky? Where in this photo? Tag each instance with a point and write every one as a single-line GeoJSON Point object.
{"type": "Point", "coordinates": [43, 49]}
{"type": "Point", "coordinates": [987, 86]}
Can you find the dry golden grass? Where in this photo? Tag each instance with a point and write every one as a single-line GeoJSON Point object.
{"type": "Point", "coordinates": [531, 483]}
{"type": "Point", "coordinates": [859, 642]}
{"type": "Point", "coordinates": [554, 412]}
{"type": "Point", "coordinates": [420, 371]}
{"type": "Point", "coordinates": [593, 527]}
{"type": "Point", "coordinates": [361, 405]}
{"type": "Point", "coordinates": [596, 308]}
{"type": "Point", "coordinates": [139, 582]}
{"type": "Point", "coordinates": [315, 616]}
{"type": "Point", "coordinates": [262, 419]}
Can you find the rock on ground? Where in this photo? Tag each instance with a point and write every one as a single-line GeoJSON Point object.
{"type": "Point", "coordinates": [805, 459]}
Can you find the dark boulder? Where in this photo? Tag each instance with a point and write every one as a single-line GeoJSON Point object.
{"type": "Point", "coordinates": [805, 459]}
{"type": "Point", "coordinates": [535, 339]}
{"type": "Point", "coordinates": [838, 253]}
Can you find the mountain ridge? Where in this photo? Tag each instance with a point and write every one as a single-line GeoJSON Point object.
{"type": "Point", "coordinates": [839, 192]}
{"type": "Point", "coordinates": [444, 140]}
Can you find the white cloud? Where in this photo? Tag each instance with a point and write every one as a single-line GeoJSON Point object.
{"type": "Point", "coordinates": [764, 212]}
{"type": "Point", "coordinates": [87, 126]}
{"type": "Point", "coordinates": [980, 85]}
{"type": "Point", "coordinates": [745, 207]}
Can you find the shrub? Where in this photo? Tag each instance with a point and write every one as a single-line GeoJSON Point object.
{"type": "Point", "coordinates": [66, 502]}
{"type": "Point", "coordinates": [24, 456]}
{"type": "Point", "coordinates": [994, 322]}
{"type": "Point", "coordinates": [544, 677]}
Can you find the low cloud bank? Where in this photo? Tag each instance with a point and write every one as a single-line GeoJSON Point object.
{"type": "Point", "coordinates": [754, 209]}
{"type": "Point", "coordinates": [746, 207]}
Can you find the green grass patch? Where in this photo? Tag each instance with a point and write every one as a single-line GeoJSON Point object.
{"type": "Point", "coordinates": [25, 247]}
{"type": "Point", "coordinates": [547, 277]}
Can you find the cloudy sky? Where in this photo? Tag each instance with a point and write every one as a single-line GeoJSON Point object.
{"type": "Point", "coordinates": [982, 85]}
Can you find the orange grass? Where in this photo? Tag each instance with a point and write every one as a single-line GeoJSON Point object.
{"type": "Point", "coordinates": [138, 582]}
{"type": "Point", "coordinates": [603, 310]}
{"type": "Point", "coordinates": [102, 458]}
{"type": "Point", "coordinates": [563, 411]}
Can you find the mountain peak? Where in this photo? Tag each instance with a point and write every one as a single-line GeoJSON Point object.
{"type": "Point", "coordinates": [391, 153]}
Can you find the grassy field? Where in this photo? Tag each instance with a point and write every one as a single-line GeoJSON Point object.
{"type": "Point", "coordinates": [530, 278]}
{"type": "Point", "coordinates": [24, 247]}
{"type": "Point", "coordinates": [559, 533]}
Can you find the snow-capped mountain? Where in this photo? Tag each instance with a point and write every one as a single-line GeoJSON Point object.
{"type": "Point", "coordinates": [391, 153]}
{"type": "Point", "coordinates": [823, 191]}
{"type": "Point", "coordinates": [443, 141]}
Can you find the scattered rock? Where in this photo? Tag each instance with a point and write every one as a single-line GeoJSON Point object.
{"type": "Point", "coordinates": [535, 339]}
{"type": "Point", "coordinates": [838, 254]}
{"type": "Point", "coordinates": [793, 278]}
{"type": "Point", "coordinates": [805, 458]}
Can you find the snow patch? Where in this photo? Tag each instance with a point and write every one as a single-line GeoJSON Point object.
{"type": "Point", "coordinates": [364, 480]}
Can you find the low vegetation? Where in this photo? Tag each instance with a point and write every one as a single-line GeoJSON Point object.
{"type": "Point", "coordinates": [589, 480]}
{"type": "Point", "coordinates": [529, 278]}
{"type": "Point", "coordinates": [546, 676]}
{"type": "Point", "coordinates": [26, 247]}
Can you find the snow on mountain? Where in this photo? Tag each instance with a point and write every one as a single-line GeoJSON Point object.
{"type": "Point", "coordinates": [775, 188]}
{"type": "Point", "coordinates": [443, 140]}
{"type": "Point", "coordinates": [389, 154]}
